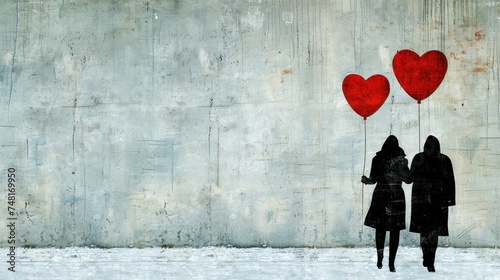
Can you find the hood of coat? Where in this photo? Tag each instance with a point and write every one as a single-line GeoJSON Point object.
{"type": "Point", "coordinates": [391, 148]}
{"type": "Point", "coordinates": [432, 147]}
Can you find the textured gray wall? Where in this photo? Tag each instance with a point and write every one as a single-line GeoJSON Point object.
{"type": "Point", "coordinates": [221, 122]}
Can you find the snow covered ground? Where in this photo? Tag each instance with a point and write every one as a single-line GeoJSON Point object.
{"type": "Point", "coordinates": [251, 263]}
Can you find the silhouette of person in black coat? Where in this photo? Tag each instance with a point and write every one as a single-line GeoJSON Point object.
{"type": "Point", "coordinates": [388, 208]}
{"type": "Point", "coordinates": [433, 192]}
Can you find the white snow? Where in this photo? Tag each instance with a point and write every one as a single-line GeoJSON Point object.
{"type": "Point", "coordinates": [250, 263]}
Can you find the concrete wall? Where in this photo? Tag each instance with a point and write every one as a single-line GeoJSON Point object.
{"type": "Point", "coordinates": [221, 122]}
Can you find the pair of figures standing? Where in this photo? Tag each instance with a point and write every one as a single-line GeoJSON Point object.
{"type": "Point", "coordinates": [433, 191]}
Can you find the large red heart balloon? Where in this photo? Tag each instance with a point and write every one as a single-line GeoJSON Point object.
{"type": "Point", "coordinates": [365, 96]}
{"type": "Point", "coordinates": [419, 76]}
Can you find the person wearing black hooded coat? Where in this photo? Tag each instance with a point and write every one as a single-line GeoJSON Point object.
{"type": "Point", "coordinates": [387, 210]}
{"type": "Point", "coordinates": [433, 192]}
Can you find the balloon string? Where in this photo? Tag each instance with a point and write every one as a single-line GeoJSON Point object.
{"type": "Point", "coordinates": [364, 160]}
{"type": "Point", "coordinates": [419, 146]}
{"type": "Point", "coordinates": [363, 185]}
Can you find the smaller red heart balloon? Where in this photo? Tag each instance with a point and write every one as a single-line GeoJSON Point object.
{"type": "Point", "coordinates": [365, 96]}
{"type": "Point", "coordinates": [419, 76]}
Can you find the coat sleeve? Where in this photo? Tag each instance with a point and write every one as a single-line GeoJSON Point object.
{"type": "Point", "coordinates": [417, 161]}
{"type": "Point", "coordinates": [404, 171]}
{"type": "Point", "coordinates": [375, 170]}
{"type": "Point", "coordinates": [448, 191]}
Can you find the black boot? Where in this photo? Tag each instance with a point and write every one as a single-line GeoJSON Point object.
{"type": "Point", "coordinates": [380, 257]}
{"type": "Point", "coordinates": [430, 261]}
{"type": "Point", "coordinates": [429, 242]}
{"type": "Point", "coordinates": [391, 264]}
{"type": "Point", "coordinates": [379, 244]}
{"type": "Point", "coordinates": [393, 249]}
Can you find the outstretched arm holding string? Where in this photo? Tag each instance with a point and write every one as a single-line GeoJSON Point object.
{"type": "Point", "coordinates": [374, 173]}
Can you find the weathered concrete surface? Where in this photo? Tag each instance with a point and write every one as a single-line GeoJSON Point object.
{"type": "Point", "coordinates": [154, 123]}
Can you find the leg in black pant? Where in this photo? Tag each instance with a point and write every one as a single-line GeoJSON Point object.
{"type": "Point", "coordinates": [429, 243]}
{"type": "Point", "coordinates": [393, 249]}
{"type": "Point", "coordinates": [379, 244]}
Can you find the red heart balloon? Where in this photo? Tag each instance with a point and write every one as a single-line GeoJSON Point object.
{"type": "Point", "coordinates": [419, 76]}
{"type": "Point", "coordinates": [365, 96]}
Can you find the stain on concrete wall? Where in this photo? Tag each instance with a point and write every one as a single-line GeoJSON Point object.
{"type": "Point", "coordinates": [172, 123]}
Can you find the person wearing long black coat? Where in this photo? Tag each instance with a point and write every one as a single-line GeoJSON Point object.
{"type": "Point", "coordinates": [387, 210]}
{"type": "Point", "coordinates": [433, 192]}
